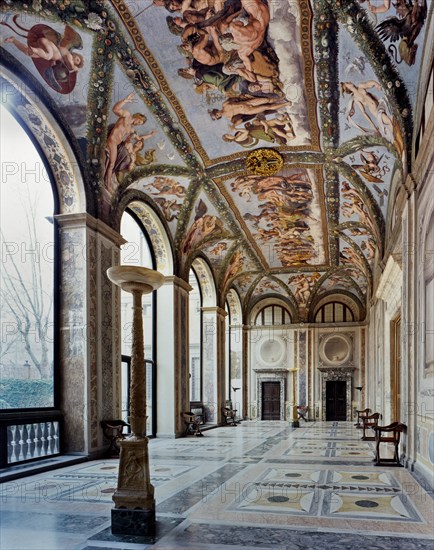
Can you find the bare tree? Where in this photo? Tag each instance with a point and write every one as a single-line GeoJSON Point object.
{"type": "Point", "coordinates": [22, 292]}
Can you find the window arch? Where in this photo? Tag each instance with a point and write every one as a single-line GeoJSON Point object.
{"type": "Point", "coordinates": [334, 312]}
{"type": "Point", "coordinates": [273, 315]}
{"type": "Point", "coordinates": [138, 251]}
{"type": "Point", "coordinates": [195, 337]}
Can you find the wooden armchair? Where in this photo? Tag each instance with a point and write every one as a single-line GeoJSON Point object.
{"type": "Point", "coordinates": [113, 431]}
{"type": "Point", "coordinates": [192, 424]}
{"type": "Point", "coordinates": [198, 409]}
{"type": "Point", "coordinates": [388, 434]}
{"type": "Point", "coordinates": [360, 415]}
{"type": "Point", "coordinates": [229, 416]}
{"type": "Point", "coordinates": [369, 421]}
{"type": "Point", "coordinates": [303, 412]}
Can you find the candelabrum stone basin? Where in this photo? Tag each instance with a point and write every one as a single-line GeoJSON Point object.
{"type": "Point", "coordinates": [130, 277]}
{"type": "Point", "coordinates": [134, 511]}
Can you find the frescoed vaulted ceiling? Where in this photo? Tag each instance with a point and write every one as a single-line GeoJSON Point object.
{"type": "Point", "coordinates": [165, 99]}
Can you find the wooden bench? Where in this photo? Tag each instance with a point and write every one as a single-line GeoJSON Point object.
{"type": "Point", "coordinates": [369, 421]}
{"type": "Point", "coordinates": [303, 412]}
{"type": "Point", "coordinates": [192, 424]}
{"type": "Point", "coordinates": [388, 434]}
{"type": "Point", "coordinates": [229, 416]}
{"type": "Point", "coordinates": [198, 409]}
{"type": "Point", "coordinates": [113, 431]}
{"type": "Point", "coordinates": [360, 415]}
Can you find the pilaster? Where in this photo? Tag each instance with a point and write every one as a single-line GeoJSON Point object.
{"type": "Point", "coordinates": [89, 334]}
{"type": "Point", "coordinates": [173, 356]}
{"type": "Point", "coordinates": [213, 361]}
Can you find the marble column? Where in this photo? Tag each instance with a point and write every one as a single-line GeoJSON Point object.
{"type": "Point", "coordinates": [134, 512]}
{"type": "Point", "coordinates": [89, 338]}
{"type": "Point", "coordinates": [213, 362]}
{"type": "Point", "coordinates": [172, 356]}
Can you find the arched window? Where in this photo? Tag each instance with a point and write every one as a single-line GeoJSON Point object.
{"type": "Point", "coordinates": [137, 251]}
{"type": "Point", "coordinates": [334, 312]}
{"type": "Point", "coordinates": [273, 315]}
{"type": "Point", "coordinates": [195, 338]}
{"type": "Point", "coordinates": [228, 351]}
{"type": "Point", "coordinates": [27, 291]}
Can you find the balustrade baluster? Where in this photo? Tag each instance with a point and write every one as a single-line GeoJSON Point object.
{"type": "Point", "coordinates": [10, 438]}
{"type": "Point", "coordinates": [32, 443]}
{"type": "Point", "coordinates": [25, 441]}
{"type": "Point", "coordinates": [51, 437]}
{"type": "Point", "coordinates": [45, 439]}
{"type": "Point", "coordinates": [39, 439]}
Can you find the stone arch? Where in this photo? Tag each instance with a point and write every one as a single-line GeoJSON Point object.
{"type": "Point", "coordinates": [157, 235]}
{"type": "Point", "coordinates": [206, 282]}
{"type": "Point", "coordinates": [49, 138]}
{"type": "Point", "coordinates": [271, 301]}
{"type": "Point", "coordinates": [346, 298]}
{"type": "Point", "coordinates": [235, 308]}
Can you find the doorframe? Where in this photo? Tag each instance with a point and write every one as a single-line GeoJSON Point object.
{"type": "Point", "coordinates": [346, 397]}
{"type": "Point", "coordinates": [266, 376]}
{"type": "Point", "coordinates": [395, 367]}
{"type": "Point", "coordinates": [262, 396]}
{"type": "Point", "coordinates": [337, 374]}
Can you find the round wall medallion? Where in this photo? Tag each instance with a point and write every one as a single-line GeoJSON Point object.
{"type": "Point", "coordinates": [271, 351]}
{"type": "Point", "coordinates": [335, 349]}
{"type": "Point", "coordinates": [264, 162]}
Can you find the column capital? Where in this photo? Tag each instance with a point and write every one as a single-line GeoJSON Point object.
{"type": "Point", "coordinates": [86, 221]}
{"type": "Point", "coordinates": [215, 309]}
{"type": "Point", "coordinates": [177, 281]}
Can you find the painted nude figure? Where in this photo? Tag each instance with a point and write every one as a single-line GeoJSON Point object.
{"type": "Point", "coordinates": [122, 133]}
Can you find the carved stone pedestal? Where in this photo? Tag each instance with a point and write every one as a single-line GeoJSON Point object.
{"type": "Point", "coordinates": [134, 512]}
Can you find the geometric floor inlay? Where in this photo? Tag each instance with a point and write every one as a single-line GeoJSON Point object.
{"type": "Point", "coordinates": [261, 484]}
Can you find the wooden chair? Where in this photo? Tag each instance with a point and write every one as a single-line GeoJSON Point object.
{"type": "Point", "coordinates": [388, 434]}
{"type": "Point", "coordinates": [113, 431]}
{"type": "Point", "coordinates": [192, 424]}
{"type": "Point", "coordinates": [198, 409]}
{"type": "Point", "coordinates": [229, 416]}
{"type": "Point", "coordinates": [302, 412]}
{"type": "Point", "coordinates": [369, 421]}
{"type": "Point", "coordinates": [360, 415]}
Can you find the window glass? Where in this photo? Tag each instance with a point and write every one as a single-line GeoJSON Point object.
{"type": "Point", "coordinates": [27, 273]}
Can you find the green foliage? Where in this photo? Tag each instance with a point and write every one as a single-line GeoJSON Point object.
{"type": "Point", "coordinates": [19, 394]}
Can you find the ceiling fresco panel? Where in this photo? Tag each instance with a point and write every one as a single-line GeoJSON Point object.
{"type": "Point", "coordinates": [375, 165]}
{"type": "Point", "coordinates": [59, 55]}
{"type": "Point", "coordinates": [168, 193]}
{"type": "Point", "coordinates": [401, 25]}
{"type": "Point", "coordinates": [355, 208]}
{"type": "Point", "coordinates": [235, 78]}
{"type": "Point", "coordinates": [206, 226]}
{"type": "Point", "coordinates": [364, 106]}
{"type": "Point", "coordinates": [283, 215]}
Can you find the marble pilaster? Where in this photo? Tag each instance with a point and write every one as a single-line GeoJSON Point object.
{"type": "Point", "coordinates": [89, 343]}
{"type": "Point", "coordinates": [172, 356]}
{"type": "Point", "coordinates": [213, 349]}
{"type": "Point", "coordinates": [409, 362]}
{"type": "Point", "coordinates": [236, 350]}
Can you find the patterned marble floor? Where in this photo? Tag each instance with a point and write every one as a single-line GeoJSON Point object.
{"type": "Point", "coordinates": [260, 485]}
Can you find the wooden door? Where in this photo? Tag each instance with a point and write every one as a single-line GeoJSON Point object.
{"type": "Point", "coordinates": [395, 368]}
{"type": "Point", "coordinates": [270, 400]}
{"type": "Point", "coordinates": [336, 400]}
